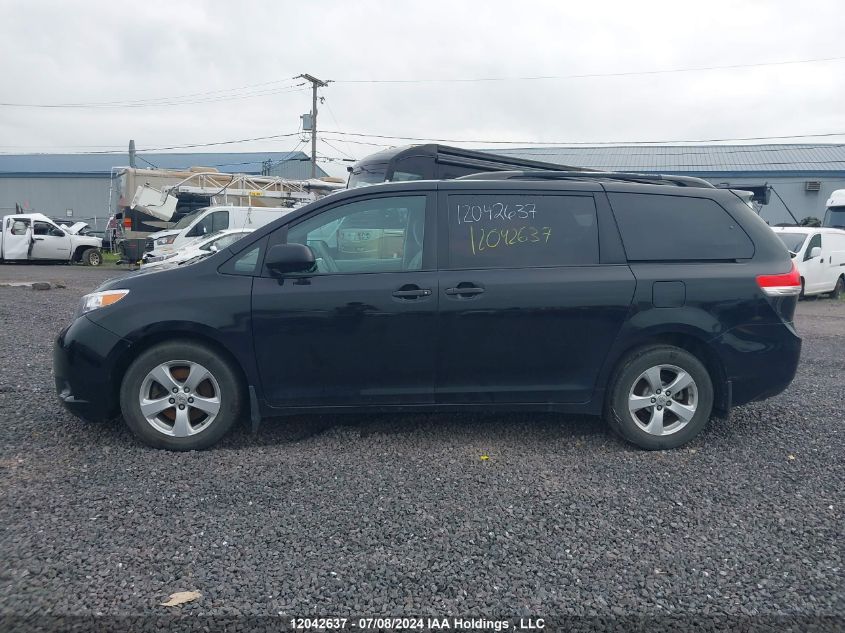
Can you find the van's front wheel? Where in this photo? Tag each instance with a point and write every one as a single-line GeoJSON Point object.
{"type": "Point", "coordinates": [180, 396]}
{"type": "Point", "coordinates": [838, 289]}
{"type": "Point", "coordinates": [661, 397]}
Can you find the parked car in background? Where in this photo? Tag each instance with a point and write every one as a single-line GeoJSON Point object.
{"type": "Point", "coordinates": [200, 248]}
{"type": "Point", "coordinates": [517, 291]}
{"type": "Point", "coordinates": [819, 255]}
{"type": "Point", "coordinates": [834, 215]}
{"type": "Point", "coordinates": [35, 237]}
{"type": "Point", "coordinates": [206, 221]}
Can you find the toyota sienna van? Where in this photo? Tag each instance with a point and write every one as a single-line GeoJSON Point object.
{"type": "Point", "coordinates": [656, 302]}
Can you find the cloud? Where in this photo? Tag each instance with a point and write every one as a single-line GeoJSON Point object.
{"type": "Point", "coordinates": [106, 51]}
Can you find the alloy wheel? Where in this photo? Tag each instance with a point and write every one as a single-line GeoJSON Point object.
{"type": "Point", "coordinates": [179, 398]}
{"type": "Point", "coordinates": [663, 400]}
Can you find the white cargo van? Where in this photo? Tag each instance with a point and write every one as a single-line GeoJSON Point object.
{"type": "Point", "coordinates": [819, 255]}
{"type": "Point", "coordinates": [206, 221]}
{"type": "Point", "coordinates": [35, 237]}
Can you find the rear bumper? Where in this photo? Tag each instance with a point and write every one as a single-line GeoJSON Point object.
{"type": "Point", "coordinates": [83, 365]}
{"type": "Point", "coordinates": [760, 361]}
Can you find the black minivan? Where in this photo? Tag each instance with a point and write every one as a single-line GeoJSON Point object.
{"type": "Point", "coordinates": [654, 301]}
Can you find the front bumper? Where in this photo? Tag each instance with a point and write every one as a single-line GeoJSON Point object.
{"type": "Point", "coordinates": [84, 361]}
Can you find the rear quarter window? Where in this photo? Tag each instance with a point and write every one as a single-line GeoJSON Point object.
{"type": "Point", "coordinates": [522, 231]}
{"type": "Point", "coordinates": [677, 228]}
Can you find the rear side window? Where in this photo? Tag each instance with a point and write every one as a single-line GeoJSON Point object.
{"type": "Point", "coordinates": [677, 228]}
{"type": "Point", "coordinates": [522, 231]}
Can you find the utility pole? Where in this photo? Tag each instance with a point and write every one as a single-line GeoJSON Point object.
{"type": "Point", "coordinates": [132, 153]}
{"type": "Point", "coordinates": [315, 83]}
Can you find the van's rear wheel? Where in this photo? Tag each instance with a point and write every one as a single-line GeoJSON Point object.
{"type": "Point", "coordinates": [660, 397]}
{"type": "Point", "coordinates": [180, 396]}
{"type": "Point", "coordinates": [92, 257]}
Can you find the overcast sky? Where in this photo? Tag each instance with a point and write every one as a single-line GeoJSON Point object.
{"type": "Point", "coordinates": [95, 52]}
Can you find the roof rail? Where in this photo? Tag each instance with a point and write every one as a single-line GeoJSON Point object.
{"type": "Point", "coordinates": [649, 179]}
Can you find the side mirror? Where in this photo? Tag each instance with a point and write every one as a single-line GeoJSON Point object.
{"type": "Point", "coordinates": [816, 251]}
{"type": "Point", "coordinates": [57, 233]}
{"type": "Point", "coordinates": [289, 258]}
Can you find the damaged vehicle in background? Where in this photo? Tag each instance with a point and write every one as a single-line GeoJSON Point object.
{"type": "Point", "coordinates": [197, 250]}
{"type": "Point", "coordinates": [35, 237]}
{"type": "Point", "coordinates": [204, 222]}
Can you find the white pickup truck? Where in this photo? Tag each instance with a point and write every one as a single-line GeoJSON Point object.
{"type": "Point", "coordinates": [35, 237]}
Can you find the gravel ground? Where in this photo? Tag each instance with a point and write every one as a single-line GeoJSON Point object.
{"type": "Point", "coordinates": [400, 515]}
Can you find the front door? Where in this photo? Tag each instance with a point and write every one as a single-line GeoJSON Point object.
{"type": "Point", "coordinates": [360, 328]}
{"type": "Point", "coordinates": [814, 267]}
{"type": "Point", "coordinates": [17, 238]}
{"type": "Point", "coordinates": [528, 312]}
{"type": "Point", "coordinates": [49, 242]}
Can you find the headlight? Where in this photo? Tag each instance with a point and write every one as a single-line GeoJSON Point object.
{"type": "Point", "coordinates": [98, 300]}
{"type": "Point", "coordinates": [163, 241]}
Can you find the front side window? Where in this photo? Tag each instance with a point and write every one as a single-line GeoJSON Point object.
{"type": "Point", "coordinates": [816, 240]}
{"type": "Point", "coordinates": [41, 228]}
{"type": "Point", "coordinates": [410, 168]}
{"type": "Point", "coordinates": [678, 228]}
{"type": "Point", "coordinates": [219, 221]}
{"type": "Point", "coordinates": [19, 226]}
{"type": "Point", "coordinates": [522, 231]}
{"type": "Point", "coordinates": [203, 227]}
{"type": "Point", "coordinates": [376, 235]}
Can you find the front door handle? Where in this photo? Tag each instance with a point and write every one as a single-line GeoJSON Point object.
{"type": "Point", "coordinates": [464, 290]}
{"type": "Point", "coordinates": [411, 291]}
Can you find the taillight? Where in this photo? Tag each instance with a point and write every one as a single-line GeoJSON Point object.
{"type": "Point", "coordinates": [783, 285]}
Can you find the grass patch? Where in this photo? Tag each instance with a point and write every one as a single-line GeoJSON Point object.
{"type": "Point", "coordinates": [109, 257]}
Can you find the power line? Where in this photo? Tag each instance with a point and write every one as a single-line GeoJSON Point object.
{"type": "Point", "coordinates": [477, 141]}
{"type": "Point", "coordinates": [261, 90]}
{"type": "Point", "coordinates": [597, 143]}
{"type": "Point", "coordinates": [592, 75]}
{"type": "Point", "coordinates": [187, 146]}
{"type": "Point", "coordinates": [337, 149]}
{"type": "Point", "coordinates": [160, 103]}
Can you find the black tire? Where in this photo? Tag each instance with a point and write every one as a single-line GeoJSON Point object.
{"type": "Point", "coordinates": [230, 395]}
{"type": "Point", "coordinates": [838, 289]}
{"type": "Point", "coordinates": [627, 377]}
{"type": "Point", "coordinates": [92, 257]}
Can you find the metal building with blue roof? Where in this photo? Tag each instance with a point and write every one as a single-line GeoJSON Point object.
{"type": "Point", "coordinates": [790, 177]}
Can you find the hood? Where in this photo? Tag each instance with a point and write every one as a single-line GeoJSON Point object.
{"type": "Point", "coordinates": [74, 228]}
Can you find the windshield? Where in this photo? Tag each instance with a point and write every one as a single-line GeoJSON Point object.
{"type": "Point", "coordinates": [835, 217]}
{"type": "Point", "coordinates": [792, 241]}
{"type": "Point", "coordinates": [184, 222]}
{"type": "Point", "coordinates": [367, 174]}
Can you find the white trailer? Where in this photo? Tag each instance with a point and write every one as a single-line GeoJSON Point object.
{"type": "Point", "coordinates": [35, 237]}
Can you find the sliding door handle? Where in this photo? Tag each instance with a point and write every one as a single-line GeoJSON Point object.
{"type": "Point", "coordinates": [411, 293]}
{"type": "Point", "coordinates": [464, 291]}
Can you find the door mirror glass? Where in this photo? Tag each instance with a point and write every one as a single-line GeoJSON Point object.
{"type": "Point", "coordinates": [289, 258]}
{"type": "Point", "coordinates": [816, 251]}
